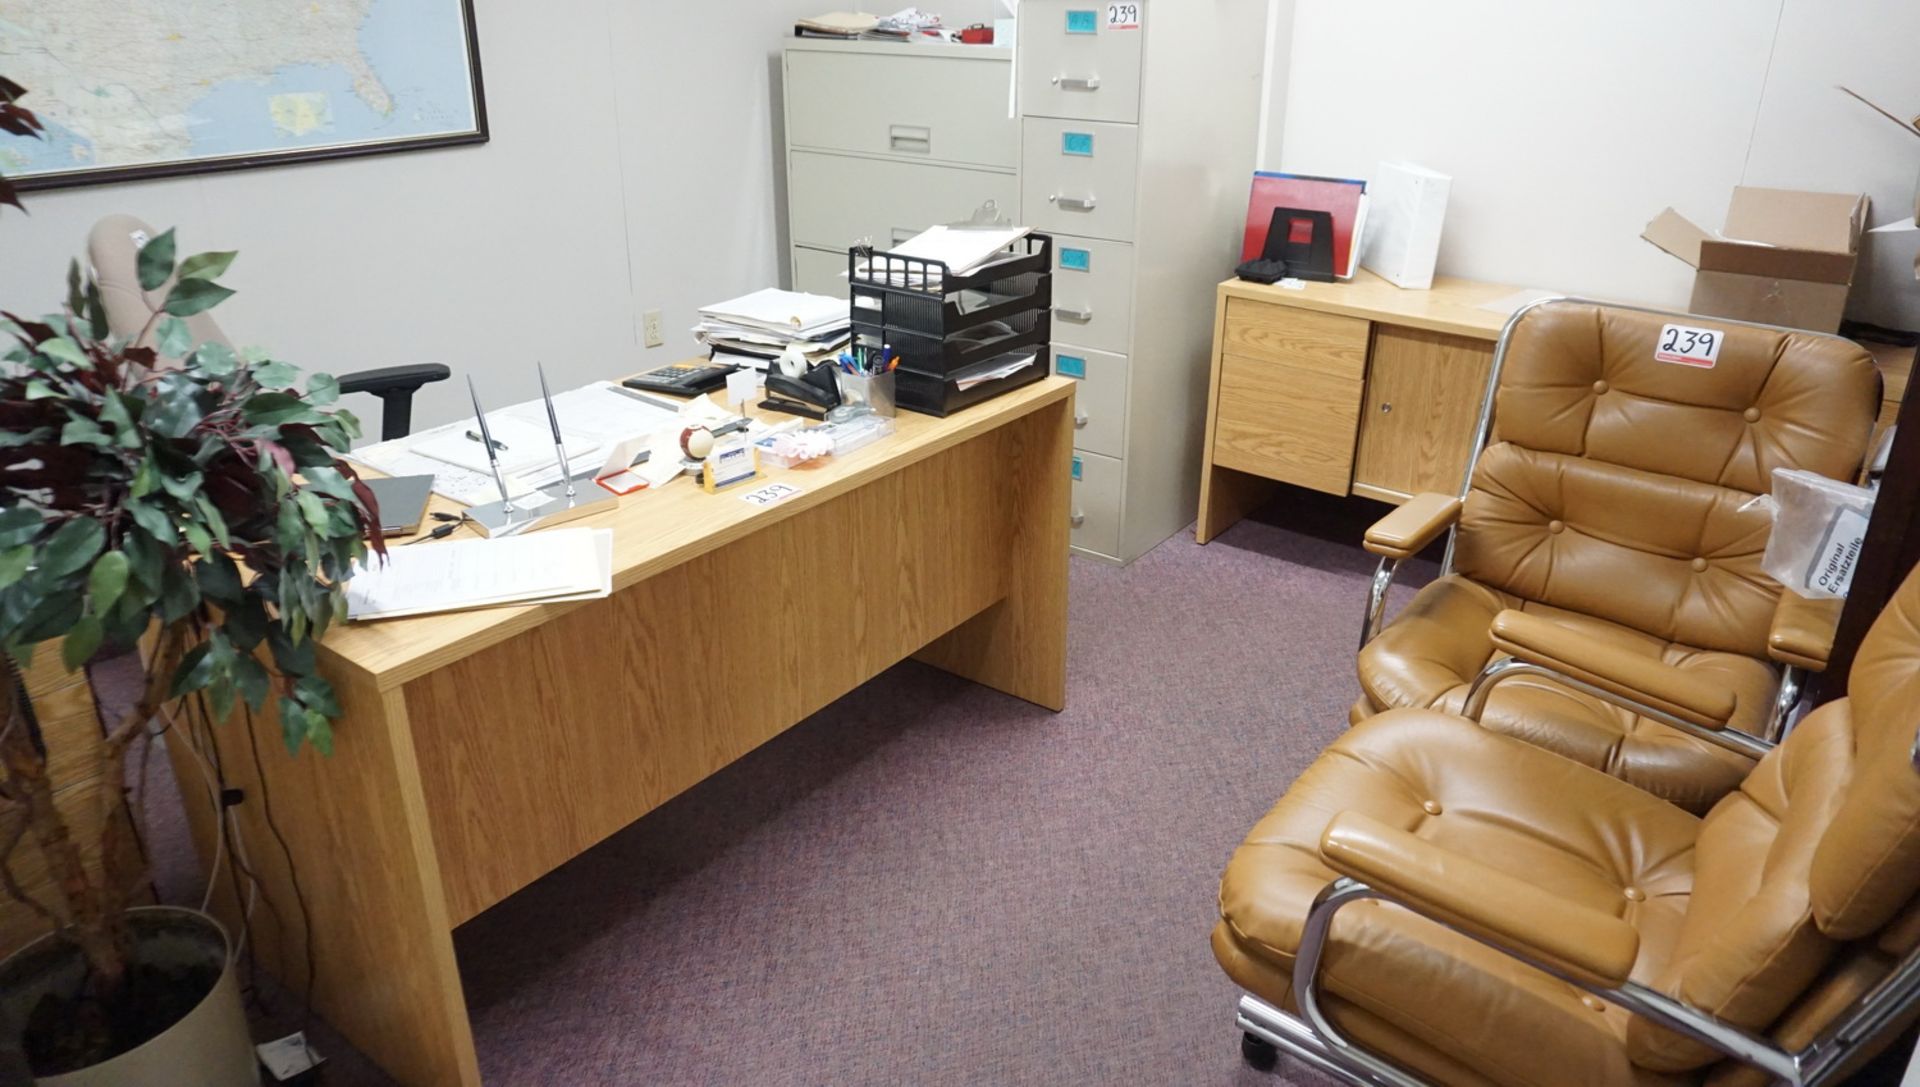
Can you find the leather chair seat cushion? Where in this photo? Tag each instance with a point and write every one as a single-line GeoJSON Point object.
{"type": "Point", "coordinates": [1430, 653]}
{"type": "Point", "coordinates": [1560, 825]}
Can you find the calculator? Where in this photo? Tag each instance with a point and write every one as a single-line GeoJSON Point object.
{"type": "Point", "coordinates": [683, 378]}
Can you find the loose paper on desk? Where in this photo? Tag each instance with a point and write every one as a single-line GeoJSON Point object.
{"type": "Point", "coordinates": [961, 249]}
{"type": "Point", "coordinates": [542, 567]}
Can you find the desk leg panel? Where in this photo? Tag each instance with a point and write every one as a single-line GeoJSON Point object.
{"type": "Point", "coordinates": [1019, 645]}
{"type": "Point", "coordinates": [534, 749]}
{"type": "Point", "coordinates": [356, 830]}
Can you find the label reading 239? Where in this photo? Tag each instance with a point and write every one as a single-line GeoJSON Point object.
{"type": "Point", "coordinates": [1123, 16]}
{"type": "Point", "coordinates": [1688, 346]}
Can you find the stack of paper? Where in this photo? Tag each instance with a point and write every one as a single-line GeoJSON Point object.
{"type": "Point", "coordinates": [544, 567]}
{"type": "Point", "coordinates": [756, 328]}
{"type": "Point", "coordinates": [963, 250]}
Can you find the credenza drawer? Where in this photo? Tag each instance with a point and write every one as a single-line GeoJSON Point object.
{"type": "Point", "coordinates": [1323, 343]}
{"type": "Point", "coordinates": [1292, 423]}
{"type": "Point", "coordinates": [917, 107]}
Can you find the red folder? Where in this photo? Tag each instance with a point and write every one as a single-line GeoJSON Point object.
{"type": "Point", "coordinates": [1338, 195]}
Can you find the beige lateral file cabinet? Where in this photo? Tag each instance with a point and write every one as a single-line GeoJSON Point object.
{"type": "Point", "coordinates": [1137, 132]}
{"type": "Point", "coordinates": [885, 140]}
{"type": "Point", "coordinates": [1348, 388]}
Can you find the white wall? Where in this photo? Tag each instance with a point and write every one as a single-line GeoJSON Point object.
{"type": "Point", "coordinates": [632, 167]}
{"type": "Point", "coordinates": [1567, 127]}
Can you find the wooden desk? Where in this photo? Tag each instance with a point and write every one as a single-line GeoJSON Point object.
{"type": "Point", "coordinates": [1348, 388]}
{"type": "Point", "coordinates": [480, 750]}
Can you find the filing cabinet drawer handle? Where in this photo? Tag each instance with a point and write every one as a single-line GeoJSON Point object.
{"type": "Point", "coordinates": [1082, 315]}
{"type": "Point", "coordinates": [1077, 519]}
{"type": "Point", "coordinates": [914, 139]}
{"type": "Point", "coordinates": [1077, 83]}
{"type": "Point", "coordinates": [1079, 420]}
{"type": "Point", "coordinates": [1071, 203]}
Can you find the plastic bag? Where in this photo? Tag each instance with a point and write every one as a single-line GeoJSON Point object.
{"type": "Point", "coordinates": [1818, 527]}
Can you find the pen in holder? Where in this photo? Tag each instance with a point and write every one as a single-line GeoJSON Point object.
{"type": "Point", "coordinates": [861, 394]}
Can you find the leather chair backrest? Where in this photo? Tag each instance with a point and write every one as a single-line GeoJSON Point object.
{"type": "Point", "coordinates": [1613, 481]}
{"type": "Point", "coordinates": [1819, 848]}
{"type": "Point", "coordinates": [113, 253]}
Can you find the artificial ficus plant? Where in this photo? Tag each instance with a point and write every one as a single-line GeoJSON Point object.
{"type": "Point", "coordinates": [154, 483]}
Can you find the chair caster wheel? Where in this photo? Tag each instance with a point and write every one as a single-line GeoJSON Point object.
{"type": "Point", "coordinates": [1258, 1052]}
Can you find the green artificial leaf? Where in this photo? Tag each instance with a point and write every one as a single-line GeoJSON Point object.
{"type": "Point", "coordinates": [115, 409]}
{"type": "Point", "coordinates": [247, 621]}
{"type": "Point", "coordinates": [19, 525]}
{"type": "Point", "coordinates": [172, 338]}
{"type": "Point", "coordinates": [76, 300]}
{"type": "Point", "coordinates": [14, 563]}
{"type": "Point", "coordinates": [293, 724]}
{"type": "Point", "coordinates": [183, 487]}
{"type": "Point", "coordinates": [320, 733]}
{"type": "Point", "coordinates": [219, 577]}
{"type": "Point", "coordinates": [220, 694]}
{"type": "Point", "coordinates": [216, 523]}
{"type": "Point", "coordinates": [155, 265]}
{"type": "Point", "coordinates": [179, 594]}
{"type": "Point", "coordinates": [276, 375]}
{"type": "Point", "coordinates": [279, 409]}
{"type": "Point", "coordinates": [195, 671]}
{"type": "Point", "coordinates": [83, 431]}
{"type": "Point", "coordinates": [191, 296]}
{"type": "Point", "coordinates": [72, 546]}
{"type": "Point", "coordinates": [197, 537]}
{"type": "Point", "coordinates": [175, 410]}
{"type": "Point", "coordinates": [252, 680]}
{"type": "Point", "coordinates": [216, 359]}
{"type": "Point", "coordinates": [107, 580]}
{"type": "Point", "coordinates": [38, 389]}
{"type": "Point", "coordinates": [314, 510]}
{"type": "Point", "coordinates": [145, 479]}
{"type": "Point", "coordinates": [65, 350]}
{"type": "Point", "coordinates": [10, 439]}
{"type": "Point", "coordinates": [146, 561]}
{"type": "Point", "coordinates": [154, 522]}
{"type": "Point", "coordinates": [317, 694]}
{"type": "Point", "coordinates": [52, 617]}
{"type": "Point", "coordinates": [322, 389]}
{"type": "Point", "coordinates": [82, 642]}
{"type": "Point", "coordinates": [206, 265]}
{"type": "Point", "coordinates": [96, 313]}
{"type": "Point", "coordinates": [292, 658]}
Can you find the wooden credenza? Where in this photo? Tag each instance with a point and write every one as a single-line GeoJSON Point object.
{"type": "Point", "coordinates": [1349, 388]}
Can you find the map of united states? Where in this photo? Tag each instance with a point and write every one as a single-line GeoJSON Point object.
{"type": "Point", "coordinates": [137, 82]}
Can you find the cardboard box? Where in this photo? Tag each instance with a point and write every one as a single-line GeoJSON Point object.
{"type": "Point", "coordinates": [1784, 257]}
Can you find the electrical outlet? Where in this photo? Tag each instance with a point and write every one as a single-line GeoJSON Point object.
{"type": "Point", "coordinates": [650, 323]}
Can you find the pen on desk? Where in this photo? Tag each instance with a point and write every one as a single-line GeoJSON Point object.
{"type": "Point", "coordinates": [487, 443]}
{"type": "Point", "coordinates": [474, 436]}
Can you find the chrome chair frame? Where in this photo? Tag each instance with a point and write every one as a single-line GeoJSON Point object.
{"type": "Point", "coordinates": [1788, 694]}
{"type": "Point", "coordinates": [1313, 1038]}
{"type": "Point", "coordinates": [1476, 704]}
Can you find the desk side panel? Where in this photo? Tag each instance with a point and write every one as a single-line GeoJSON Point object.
{"type": "Point", "coordinates": [536, 748]}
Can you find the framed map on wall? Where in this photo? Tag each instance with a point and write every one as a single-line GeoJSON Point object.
{"type": "Point", "coordinates": [150, 88]}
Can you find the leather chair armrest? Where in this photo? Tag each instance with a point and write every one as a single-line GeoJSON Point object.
{"type": "Point", "coordinates": [1417, 523]}
{"type": "Point", "coordinates": [1803, 629]}
{"type": "Point", "coordinates": [392, 378]}
{"type": "Point", "coordinates": [1631, 676]}
{"type": "Point", "coordinates": [1456, 890]}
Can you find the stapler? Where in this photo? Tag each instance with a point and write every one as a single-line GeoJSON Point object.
{"type": "Point", "coordinates": [810, 395]}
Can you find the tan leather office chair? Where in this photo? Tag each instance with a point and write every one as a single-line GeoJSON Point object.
{"type": "Point", "coordinates": [113, 254]}
{"type": "Point", "coordinates": [1435, 901]}
{"type": "Point", "coordinates": [1605, 514]}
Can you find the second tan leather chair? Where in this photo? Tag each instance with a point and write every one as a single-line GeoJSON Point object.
{"type": "Point", "coordinates": [1606, 521]}
{"type": "Point", "coordinates": [1433, 901]}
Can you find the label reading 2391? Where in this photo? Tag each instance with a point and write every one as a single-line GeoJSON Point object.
{"type": "Point", "coordinates": [1688, 346]}
{"type": "Point", "coordinates": [1123, 16]}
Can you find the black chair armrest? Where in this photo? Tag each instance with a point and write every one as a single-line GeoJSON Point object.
{"type": "Point", "coordinates": [395, 386]}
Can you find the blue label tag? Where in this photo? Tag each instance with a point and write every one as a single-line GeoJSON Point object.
{"type": "Point", "coordinates": [1076, 467]}
{"type": "Point", "coordinates": [1083, 22]}
{"type": "Point", "coordinates": [1070, 366]}
{"type": "Point", "coordinates": [1076, 143]}
{"type": "Point", "coordinates": [1075, 260]}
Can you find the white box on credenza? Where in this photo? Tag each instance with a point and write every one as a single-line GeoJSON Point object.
{"type": "Point", "coordinates": [1406, 206]}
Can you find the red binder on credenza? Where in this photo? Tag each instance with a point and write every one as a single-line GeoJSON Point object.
{"type": "Point", "coordinates": [1340, 196]}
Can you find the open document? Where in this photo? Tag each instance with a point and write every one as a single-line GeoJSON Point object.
{"type": "Point", "coordinates": [538, 568]}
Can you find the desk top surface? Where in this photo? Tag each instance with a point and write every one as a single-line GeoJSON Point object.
{"type": "Point", "coordinates": [656, 530]}
{"type": "Point", "coordinates": [1451, 305]}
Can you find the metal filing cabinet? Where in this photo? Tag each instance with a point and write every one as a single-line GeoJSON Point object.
{"type": "Point", "coordinates": [1137, 134]}
{"type": "Point", "coordinates": [885, 140]}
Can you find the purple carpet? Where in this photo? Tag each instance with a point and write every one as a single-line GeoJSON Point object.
{"type": "Point", "coordinates": [929, 882]}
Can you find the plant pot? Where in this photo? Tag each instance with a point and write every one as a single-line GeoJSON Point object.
{"type": "Point", "coordinates": [209, 1047]}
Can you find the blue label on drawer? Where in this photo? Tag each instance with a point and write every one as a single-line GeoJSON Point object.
{"type": "Point", "coordinates": [1070, 366]}
{"type": "Point", "coordinates": [1083, 22]}
{"type": "Point", "coordinates": [1076, 143]}
{"type": "Point", "coordinates": [1076, 467]}
{"type": "Point", "coordinates": [1075, 260]}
